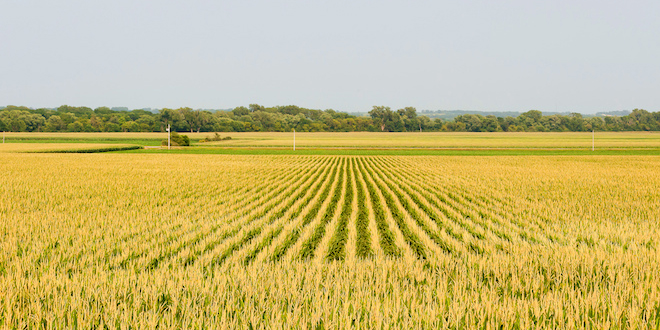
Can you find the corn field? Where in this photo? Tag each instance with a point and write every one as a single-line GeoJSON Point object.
{"type": "Point", "coordinates": [125, 241]}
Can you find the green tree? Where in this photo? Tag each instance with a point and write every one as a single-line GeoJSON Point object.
{"type": "Point", "coordinates": [240, 111]}
{"type": "Point", "coordinates": [386, 119]}
{"type": "Point", "coordinates": [256, 107]}
{"type": "Point", "coordinates": [76, 126]}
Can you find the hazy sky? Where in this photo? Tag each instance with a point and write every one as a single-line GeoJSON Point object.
{"type": "Point", "coordinates": [582, 56]}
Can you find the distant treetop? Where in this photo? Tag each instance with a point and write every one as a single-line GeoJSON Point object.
{"type": "Point", "coordinates": [255, 117]}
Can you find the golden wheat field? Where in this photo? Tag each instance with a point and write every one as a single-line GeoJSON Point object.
{"type": "Point", "coordinates": [144, 241]}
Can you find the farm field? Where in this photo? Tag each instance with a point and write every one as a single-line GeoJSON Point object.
{"type": "Point", "coordinates": [61, 147]}
{"type": "Point", "coordinates": [446, 140]}
{"type": "Point", "coordinates": [329, 241]}
{"type": "Point", "coordinates": [570, 140]}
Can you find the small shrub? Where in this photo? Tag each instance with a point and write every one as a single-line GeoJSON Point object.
{"type": "Point", "coordinates": [178, 140]}
{"type": "Point", "coordinates": [216, 137]}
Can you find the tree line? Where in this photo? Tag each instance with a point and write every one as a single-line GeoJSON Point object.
{"type": "Point", "coordinates": [257, 118]}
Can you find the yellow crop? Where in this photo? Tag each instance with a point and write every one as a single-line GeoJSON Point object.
{"type": "Point", "coordinates": [218, 241]}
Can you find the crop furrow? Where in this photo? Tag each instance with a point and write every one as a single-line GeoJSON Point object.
{"type": "Point", "coordinates": [387, 241]}
{"type": "Point", "coordinates": [310, 192]}
{"type": "Point", "coordinates": [293, 236]}
{"type": "Point", "coordinates": [476, 210]}
{"type": "Point", "coordinates": [363, 244]}
{"type": "Point", "coordinates": [309, 246]}
{"type": "Point", "coordinates": [247, 204]}
{"type": "Point", "coordinates": [404, 199]}
{"type": "Point", "coordinates": [337, 248]}
{"type": "Point", "coordinates": [265, 242]}
{"type": "Point", "coordinates": [411, 238]}
{"type": "Point", "coordinates": [448, 209]}
{"type": "Point", "coordinates": [279, 204]}
{"type": "Point", "coordinates": [168, 253]}
{"type": "Point", "coordinates": [423, 201]}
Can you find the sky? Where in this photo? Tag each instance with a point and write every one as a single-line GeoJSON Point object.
{"type": "Point", "coordinates": [576, 56]}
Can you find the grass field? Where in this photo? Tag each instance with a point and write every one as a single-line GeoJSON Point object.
{"type": "Point", "coordinates": [446, 140]}
{"type": "Point", "coordinates": [283, 241]}
{"type": "Point", "coordinates": [571, 140]}
{"type": "Point", "coordinates": [400, 151]}
{"type": "Point", "coordinates": [62, 147]}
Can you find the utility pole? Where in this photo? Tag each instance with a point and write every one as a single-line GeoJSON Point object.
{"type": "Point", "coordinates": [294, 139]}
{"type": "Point", "coordinates": [593, 139]}
{"type": "Point", "coordinates": [169, 134]}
